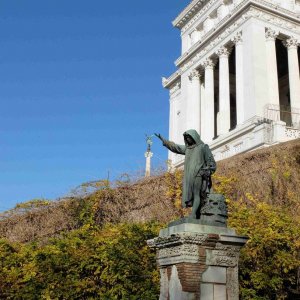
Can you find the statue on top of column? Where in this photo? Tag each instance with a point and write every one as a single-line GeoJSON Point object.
{"type": "Point", "coordinates": [199, 165]}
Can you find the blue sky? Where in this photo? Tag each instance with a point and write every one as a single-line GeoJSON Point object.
{"type": "Point", "coordinates": [80, 85]}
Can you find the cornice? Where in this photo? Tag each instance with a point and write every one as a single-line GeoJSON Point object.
{"type": "Point", "coordinates": [239, 9]}
{"type": "Point", "coordinates": [189, 12]}
{"type": "Point", "coordinates": [168, 82]}
{"type": "Point", "coordinates": [209, 5]}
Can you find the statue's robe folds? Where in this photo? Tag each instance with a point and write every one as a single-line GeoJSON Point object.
{"type": "Point", "coordinates": [197, 158]}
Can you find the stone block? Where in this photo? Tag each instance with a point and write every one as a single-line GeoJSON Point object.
{"type": "Point", "coordinates": [214, 275]}
{"type": "Point", "coordinates": [207, 291]}
{"type": "Point", "coordinates": [219, 292]}
{"type": "Point", "coordinates": [175, 288]}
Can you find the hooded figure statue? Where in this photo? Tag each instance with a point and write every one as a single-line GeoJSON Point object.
{"type": "Point", "coordinates": [199, 165]}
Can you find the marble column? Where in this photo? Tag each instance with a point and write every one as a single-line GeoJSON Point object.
{"type": "Point", "coordinates": [239, 78]}
{"type": "Point", "coordinates": [194, 102]}
{"type": "Point", "coordinates": [294, 79]}
{"type": "Point", "coordinates": [202, 92]}
{"type": "Point", "coordinates": [224, 92]}
{"type": "Point", "coordinates": [272, 66]}
{"type": "Point", "coordinates": [209, 116]}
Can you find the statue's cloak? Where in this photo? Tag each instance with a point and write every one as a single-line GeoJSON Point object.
{"type": "Point", "coordinates": [197, 157]}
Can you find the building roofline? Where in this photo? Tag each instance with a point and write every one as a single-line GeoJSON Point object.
{"type": "Point", "coordinates": [262, 4]}
{"type": "Point", "coordinates": [188, 13]}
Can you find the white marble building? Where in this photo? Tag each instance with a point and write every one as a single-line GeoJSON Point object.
{"type": "Point", "coordinates": [237, 80]}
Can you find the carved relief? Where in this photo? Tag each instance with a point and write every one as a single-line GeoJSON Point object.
{"type": "Point", "coordinates": [177, 239]}
{"type": "Point", "coordinates": [182, 250]}
{"type": "Point", "coordinates": [222, 261]}
{"type": "Point", "coordinates": [179, 248]}
{"type": "Point", "coordinates": [223, 255]}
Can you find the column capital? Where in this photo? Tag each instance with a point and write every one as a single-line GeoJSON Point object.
{"type": "Point", "coordinates": [223, 52]}
{"type": "Point", "coordinates": [291, 43]}
{"type": "Point", "coordinates": [208, 64]}
{"type": "Point", "coordinates": [238, 38]}
{"type": "Point", "coordinates": [194, 75]}
{"type": "Point", "coordinates": [271, 34]}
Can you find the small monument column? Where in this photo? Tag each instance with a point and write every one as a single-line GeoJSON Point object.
{"type": "Point", "coordinates": [148, 156]}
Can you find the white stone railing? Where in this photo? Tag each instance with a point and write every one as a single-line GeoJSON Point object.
{"type": "Point", "coordinates": [285, 113]}
{"type": "Point", "coordinates": [255, 133]}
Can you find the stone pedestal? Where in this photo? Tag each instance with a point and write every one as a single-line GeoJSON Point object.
{"type": "Point", "coordinates": [198, 261]}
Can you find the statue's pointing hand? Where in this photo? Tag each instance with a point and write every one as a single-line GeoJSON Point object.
{"type": "Point", "coordinates": [159, 136]}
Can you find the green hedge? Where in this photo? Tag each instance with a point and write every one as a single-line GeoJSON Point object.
{"type": "Point", "coordinates": [89, 263]}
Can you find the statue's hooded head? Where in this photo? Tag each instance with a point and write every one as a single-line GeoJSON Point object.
{"type": "Point", "coordinates": [192, 138]}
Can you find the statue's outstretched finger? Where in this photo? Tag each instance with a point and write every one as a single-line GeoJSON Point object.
{"type": "Point", "coordinates": [158, 135]}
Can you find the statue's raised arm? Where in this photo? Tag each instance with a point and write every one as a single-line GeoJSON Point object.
{"type": "Point", "coordinates": [179, 149]}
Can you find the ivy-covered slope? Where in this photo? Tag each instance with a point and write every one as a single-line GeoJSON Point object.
{"type": "Point", "coordinates": [92, 245]}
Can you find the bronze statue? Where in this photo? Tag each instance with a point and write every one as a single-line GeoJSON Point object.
{"type": "Point", "coordinates": [199, 165]}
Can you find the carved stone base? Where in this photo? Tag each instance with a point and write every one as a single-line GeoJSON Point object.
{"type": "Point", "coordinates": [198, 262]}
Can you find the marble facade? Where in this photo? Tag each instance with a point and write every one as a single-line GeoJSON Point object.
{"type": "Point", "coordinates": [237, 80]}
